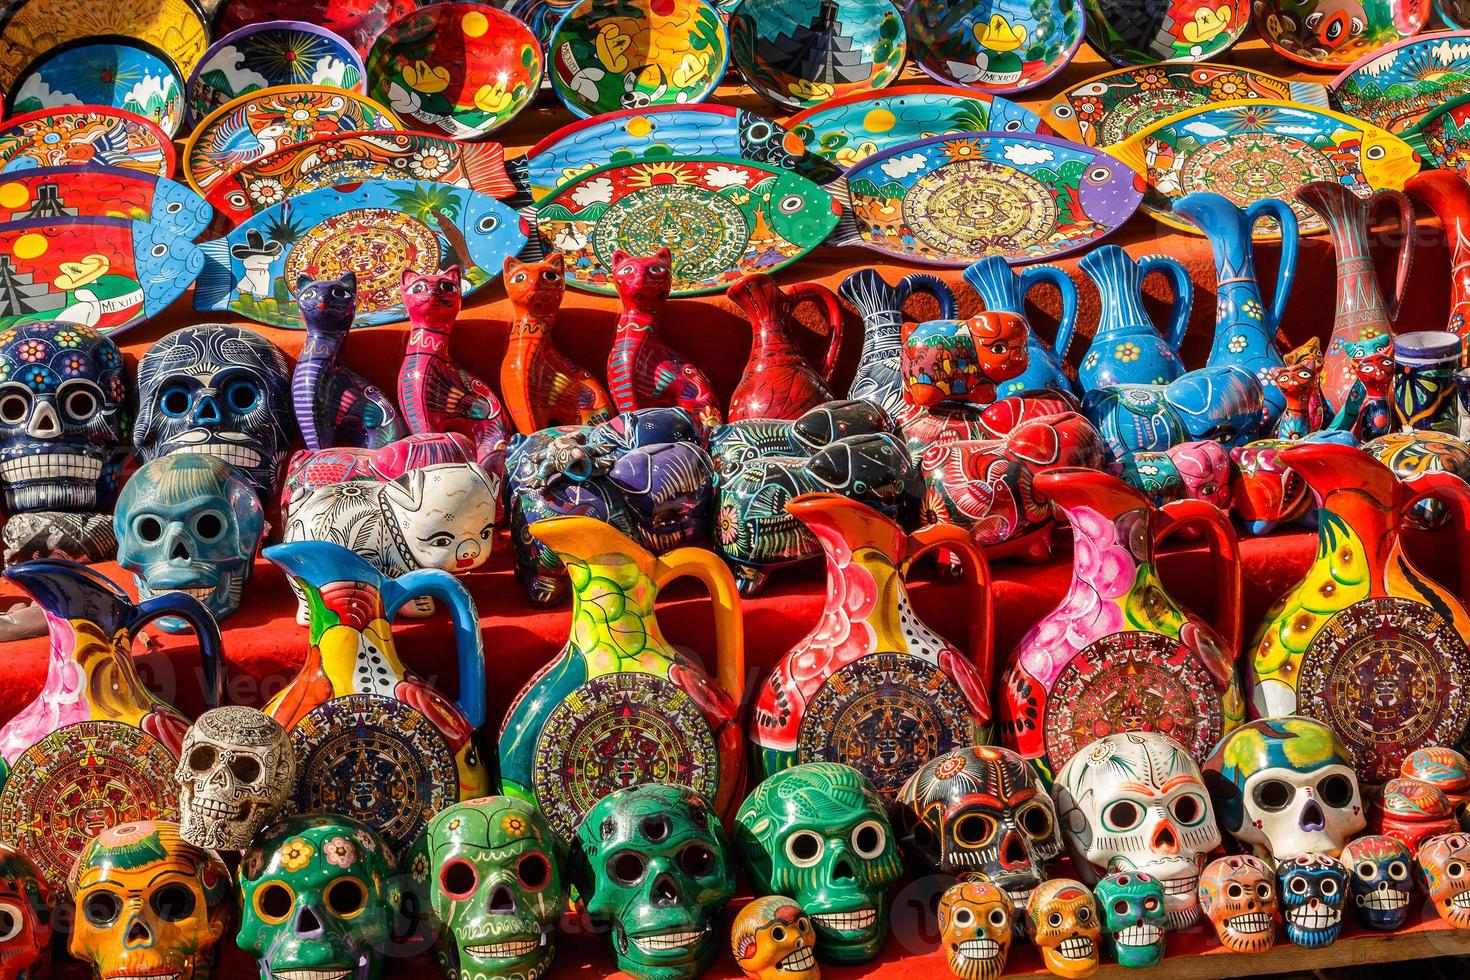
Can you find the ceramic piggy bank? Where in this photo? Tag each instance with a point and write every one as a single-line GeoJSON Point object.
{"type": "Point", "coordinates": [1220, 404]}
{"type": "Point", "coordinates": [1411, 810]}
{"type": "Point", "coordinates": [1064, 924]}
{"type": "Point", "coordinates": [1188, 471]}
{"type": "Point", "coordinates": [1238, 895]}
{"type": "Point", "coordinates": [1445, 864]}
{"type": "Point", "coordinates": [925, 429]}
{"type": "Point", "coordinates": [25, 952]}
{"type": "Point", "coordinates": [1313, 889]}
{"type": "Point", "coordinates": [1267, 493]}
{"type": "Point", "coordinates": [962, 360]}
{"type": "Point", "coordinates": [975, 929]}
{"type": "Point", "coordinates": [773, 939]}
{"type": "Point", "coordinates": [1382, 871]}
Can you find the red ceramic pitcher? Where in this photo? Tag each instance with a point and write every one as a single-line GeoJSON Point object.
{"type": "Point", "coordinates": [1447, 194]}
{"type": "Point", "coordinates": [778, 382]}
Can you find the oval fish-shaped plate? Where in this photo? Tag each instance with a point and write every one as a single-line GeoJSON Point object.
{"type": "Point", "coordinates": [668, 131]}
{"type": "Point", "coordinates": [278, 52]}
{"type": "Point", "coordinates": [849, 130]}
{"type": "Point", "coordinates": [954, 200]}
{"type": "Point", "coordinates": [85, 136]}
{"type": "Point", "coordinates": [108, 273]}
{"type": "Point", "coordinates": [103, 192]}
{"type": "Point", "coordinates": [1110, 108]}
{"type": "Point", "coordinates": [1253, 150]}
{"type": "Point", "coordinates": [1442, 136]}
{"type": "Point", "coordinates": [178, 28]}
{"type": "Point", "coordinates": [268, 120]}
{"type": "Point", "coordinates": [350, 157]}
{"type": "Point", "coordinates": [720, 217]}
{"type": "Point", "coordinates": [375, 230]}
{"type": "Point", "coordinates": [118, 72]}
{"type": "Point", "coordinates": [1396, 86]}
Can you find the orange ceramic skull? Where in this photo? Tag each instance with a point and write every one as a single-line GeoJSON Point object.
{"type": "Point", "coordinates": [25, 918]}
{"type": "Point", "coordinates": [772, 939]}
{"type": "Point", "coordinates": [1065, 927]}
{"type": "Point", "coordinates": [975, 929]}
{"type": "Point", "coordinates": [1445, 861]}
{"type": "Point", "coordinates": [1238, 894]}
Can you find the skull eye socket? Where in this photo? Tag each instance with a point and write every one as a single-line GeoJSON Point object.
{"type": "Point", "coordinates": [1366, 869]}
{"type": "Point", "coordinates": [1263, 891]}
{"type": "Point", "coordinates": [1454, 869]}
{"type": "Point", "coordinates": [150, 528]}
{"type": "Point", "coordinates": [79, 403]}
{"type": "Point", "coordinates": [778, 934]}
{"type": "Point", "coordinates": [274, 901]}
{"type": "Point", "coordinates": [1150, 904]}
{"type": "Point", "coordinates": [998, 917]}
{"type": "Point", "coordinates": [1273, 795]}
{"type": "Point", "coordinates": [346, 897]}
{"type": "Point", "coordinates": [974, 829]}
{"type": "Point", "coordinates": [1398, 871]}
{"type": "Point", "coordinates": [202, 758]}
{"type": "Point", "coordinates": [1329, 886]}
{"type": "Point", "coordinates": [1297, 885]}
{"type": "Point", "coordinates": [964, 918]}
{"type": "Point", "coordinates": [172, 902]}
{"type": "Point", "coordinates": [1084, 913]}
{"type": "Point", "coordinates": [245, 768]}
{"type": "Point", "coordinates": [11, 921]}
{"type": "Point", "coordinates": [1233, 891]}
{"type": "Point", "coordinates": [102, 909]}
{"type": "Point", "coordinates": [1120, 907]}
{"type": "Point", "coordinates": [697, 860]}
{"type": "Point", "coordinates": [804, 848]}
{"type": "Point", "coordinates": [242, 396]}
{"type": "Point", "coordinates": [534, 871]}
{"type": "Point", "coordinates": [869, 839]}
{"type": "Point", "coordinates": [1336, 790]}
{"type": "Point", "coordinates": [1122, 815]}
{"type": "Point", "coordinates": [1036, 821]}
{"type": "Point", "coordinates": [1054, 920]}
{"type": "Point", "coordinates": [175, 401]}
{"type": "Point", "coordinates": [14, 407]}
{"type": "Point", "coordinates": [1188, 809]}
{"type": "Point", "coordinates": [626, 868]}
{"type": "Point", "coordinates": [458, 878]}
{"type": "Point", "coordinates": [209, 525]}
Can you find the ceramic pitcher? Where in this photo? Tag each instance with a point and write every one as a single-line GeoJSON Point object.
{"type": "Point", "coordinates": [1119, 653]}
{"type": "Point", "coordinates": [1366, 642]}
{"type": "Point", "coordinates": [1005, 289]}
{"type": "Point", "coordinates": [96, 747]}
{"type": "Point", "coordinates": [880, 304]}
{"type": "Point", "coordinates": [619, 705]}
{"type": "Point", "coordinates": [777, 382]}
{"type": "Point", "coordinates": [1446, 193]}
{"type": "Point", "coordinates": [373, 741]}
{"type": "Point", "coordinates": [1128, 348]}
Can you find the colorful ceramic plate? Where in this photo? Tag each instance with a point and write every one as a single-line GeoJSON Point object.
{"type": "Point", "coordinates": [996, 45]}
{"type": "Point", "coordinates": [1395, 87]}
{"type": "Point", "coordinates": [108, 273]}
{"type": "Point", "coordinates": [1257, 149]}
{"type": "Point", "coordinates": [178, 28]}
{"type": "Point", "coordinates": [1336, 33]}
{"type": "Point", "coordinates": [118, 72]}
{"type": "Point", "coordinates": [628, 54]}
{"type": "Point", "coordinates": [85, 136]}
{"type": "Point", "coordinates": [460, 69]}
{"type": "Point", "coordinates": [662, 132]}
{"type": "Point", "coordinates": [358, 22]}
{"type": "Point", "coordinates": [1442, 136]}
{"type": "Point", "coordinates": [350, 157]}
{"type": "Point", "coordinates": [103, 192]}
{"type": "Point", "coordinates": [953, 200]}
{"type": "Point", "coordinates": [800, 53]}
{"type": "Point", "coordinates": [721, 217]}
{"type": "Point", "coordinates": [376, 230]}
{"type": "Point", "coordinates": [269, 120]}
{"type": "Point", "coordinates": [1127, 32]}
{"type": "Point", "coordinates": [1110, 108]}
{"type": "Point", "coordinates": [278, 52]}
{"type": "Point", "coordinates": [849, 130]}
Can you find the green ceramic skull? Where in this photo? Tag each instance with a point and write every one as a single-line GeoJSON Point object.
{"type": "Point", "coordinates": [1134, 918]}
{"type": "Point", "coordinates": [818, 832]}
{"type": "Point", "coordinates": [317, 894]}
{"type": "Point", "coordinates": [489, 875]}
{"type": "Point", "coordinates": [652, 864]}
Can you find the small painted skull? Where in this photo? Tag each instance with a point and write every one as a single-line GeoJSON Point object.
{"type": "Point", "coordinates": [1064, 925]}
{"type": "Point", "coordinates": [1313, 889]}
{"type": "Point", "coordinates": [1134, 920]}
{"type": "Point", "coordinates": [25, 918]}
{"type": "Point", "coordinates": [773, 939]}
{"type": "Point", "coordinates": [975, 929]}
{"type": "Point", "coordinates": [1445, 862]}
{"type": "Point", "coordinates": [1382, 871]}
{"type": "Point", "coordinates": [653, 867]}
{"type": "Point", "coordinates": [236, 769]}
{"type": "Point", "coordinates": [149, 904]}
{"type": "Point", "coordinates": [1238, 895]}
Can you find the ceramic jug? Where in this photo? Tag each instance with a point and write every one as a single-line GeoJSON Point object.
{"type": "Point", "coordinates": [373, 741]}
{"type": "Point", "coordinates": [1246, 330]}
{"type": "Point", "coordinates": [1128, 348]}
{"type": "Point", "coordinates": [871, 686]}
{"type": "Point", "coordinates": [1004, 289]}
{"type": "Point", "coordinates": [1446, 193]}
{"type": "Point", "coordinates": [1362, 313]}
{"type": "Point", "coordinates": [1119, 653]}
{"type": "Point", "coordinates": [620, 706]}
{"type": "Point", "coordinates": [880, 304]}
{"type": "Point", "coordinates": [777, 382]}
{"type": "Point", "coordinates": [1366, 642]}
{"type": "Point", "coordinates": [96, 747]}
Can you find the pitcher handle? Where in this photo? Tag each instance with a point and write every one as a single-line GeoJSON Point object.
{"type": "Point", "coordinates": [1454, 493]}
{"type": "Point", "coordinates": [1274, 207]}
{"type": "Point", "coordinates": [1404, 214]}
{"type": "Point", "coordinates": [435, 583]}
{"type": "Point", "coordinates": [1036, 275]}
{"type": "Point", "coordinates": [923, 282]}
{"type": "Point", "coordinates": [831, 311]}
{"type": "Point", "coordinates": [1224, 552]}
{"type": "Point", "coordinates": [977, 582]}
{"type": "Point", "coordinates": [1183, 288]}
{"type": "Point", "coordinates": [206, 630]}
{"type": "Point", "coordinates": [729, 628]}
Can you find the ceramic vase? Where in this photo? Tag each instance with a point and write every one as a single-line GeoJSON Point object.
{"type": "Point", "coordinates": [1424, 380]}
{"type": "Point", "coordinates": [778, 382]}
{"type": "Point", "coordinates": [1127, 348]}
{"type": "Point", "coordinates": [1004, 289]}
{"type": "Point", "coordinates": [881, 306]}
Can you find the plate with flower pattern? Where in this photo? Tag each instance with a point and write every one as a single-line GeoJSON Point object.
{"type": "Point", "coordinates": [1396, 86]}
{"type": "Point", "coordinates": [85, 136]}
{"type": "Point", "coordinates": [117, 72]}
{"type": "Point", "coordinates": [278, 52]}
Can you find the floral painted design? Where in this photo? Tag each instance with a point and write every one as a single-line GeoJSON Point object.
{"type": "Point", "coordinates": [340, 852]}
{"type": "Point", "coordinates": [296, 854]}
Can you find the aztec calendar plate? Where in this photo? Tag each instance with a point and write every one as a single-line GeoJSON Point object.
{"type": "Point", "coordinates": [103, 192]}
{"type": "Point", "coordinates": [85, 136]}
{"type": "Point", "coordinates": [1395, 86]}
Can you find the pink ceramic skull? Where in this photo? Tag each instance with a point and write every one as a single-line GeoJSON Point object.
{"type": "Point", "coordinates": [1445, 861]}
{"type": "Point", "coordinates": [1238, 896]}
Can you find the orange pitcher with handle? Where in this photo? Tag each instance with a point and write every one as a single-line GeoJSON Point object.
{"type": "Point", "coordinates": [778, 382]}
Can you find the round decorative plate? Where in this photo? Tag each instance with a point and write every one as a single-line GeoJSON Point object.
{"type": "Point", "coordinates": [1403, 82]}
{"type": "Point", "coordinates": [266, 121]}
{"type": "Point", "coordinates": [279, 52]}
{"type": "Point", "coordinates": [1333, 34]}
{"type": "Point", "coordinates": [358, 22]}
{"type": "Point", "coordinates": [103, 192]}
{"type": "Point", "coordinates": [996, 45]}
{"type": "Point", "coordinates": [796, 53]}
{"type": "Point", "coordinates": [85, 136]}
{"type": "Point", "coordinates": [178, 28]}
{"type": "Point", "coordinates": [1130, 33]}
{"type": "Point", "coordinates": [1442, 135]}
{"type": "Point", "coordinates": [629, 54]}
{"type": "Point", "coordinates": [541, 16]}
{"type": "Point", "coordinates": [117, 72]}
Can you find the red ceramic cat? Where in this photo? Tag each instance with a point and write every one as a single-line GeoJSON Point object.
{"type": "Point", "coordinates": [1300, 381]}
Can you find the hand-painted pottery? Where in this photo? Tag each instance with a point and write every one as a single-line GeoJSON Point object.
{"type": "Point", "coordinates": [1411, 452]}
{"type": "Point", "coordinates": [1182, 30]}
{"type": "Point", "coordinates": [720, 217]}
{"type": "Point", "coordinates": [1265, 492]}
{"type": "Point", "coordinates": [1440, 135]}
{"type": "Point", "coordinates": [103, 192]}
{"type": "Point", "coordinates": [1332, 34]}
{"type": "Point", "coordinates": [1253, 150]}
{"type": "Point", "coordinates": [277, 52]}
{"type": "Point", "coordinates": [1368, 413]}
{"type": "Point", "coordinates": [1198, 470]}
{"type": "Point", "coordinates": [86, 538]}
{"type": "Point", "coordinates": [85, 136]}
{"type": "Point", "coordinates": [1407, 811]}
{"type": "Point", "coordinates": [358, 21]}
{"type": "Point", "coordinates": [1313, 890]}
{"type": "Point", "coordinates": [961, 361]}
{"type": "Point", "coordinates": [797, 54]}
{"type": "Point", "coordinates": [1063, 922]}
{"type": "Point", "coordinates": [1005, 289]}
{"type": "Point", "coordinates": [777, 381]}
{"type": "Point", "coordinates": [953, 200]}
{"type": "Point", "coordinates": [1393, 87]}
{"type": "Point", "coordinates": [236, 769]}
{"type": "Point", "coordinates": [1108, 108]}
{"type": "Point", "coordinates": [49, 807]}
{"type": "Point", "coordinates": [1444, 862]}
{"type": "Point", "coordinates": [1446, 768]}
{"type": "Point", "coordinates": [1238, 895]}
{"type": "Point", "coordinates": [178, 28]}
{"type": "Point", "coordinates": [926, 428]}
{"type": "Point", "coordinates": [994, 45]}
{"type": "Point", "coordinates": [1447, 195]}
{"type": "Point", "coordinates": [1454, 13]}
{"type": "Point", "coordinates": [116, 72]}
{"type": "Point", "coordinates": [26, 953]}
{"type": "Point", "coordinates": [773, 939]}
{"type": "Point", "coordinates": [1424, 363]}
{"type": "Point", "coordinates": [310, 470]}
{"type": "Point", "coordinates": [262, 122]}
{"type": "Point", "coordinates": [976, 921]}
{"type": "Point", "coordinates": [1300, 383]}
{"type": "Point", "coordinates": [379, 229]}
{"type": "Point", "coordinates": [1127, 347]}
{"type": "Point", "coordinates": [879, 379]}
{"type": "Point", "coordinates": [1222, 404]}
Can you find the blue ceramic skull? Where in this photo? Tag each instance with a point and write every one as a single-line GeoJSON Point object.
{"type": "Point", "coordinates": [1313, 889]}
{"type": "Point", "coordinates": [1382, 872]}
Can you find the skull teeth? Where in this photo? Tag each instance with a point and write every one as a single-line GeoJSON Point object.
{"type": "Point", "coordinates": [1187, 885]}
{"type": "Point", "coordinates": [331, 973]}
{"type": "Point", "coordinates": [236, 455]}
{"type": "Point", "coordinates": [668, 940]}
{"type": "Point", "coordinates": [1307, 917]}
{"type": "Point", "coordinates": [506, 950]}
{"type": "Point", "coordinates": [979, 949]}
{"type": "Point", "coordinates": [50, 466]}
{"type": "Point", "coordinates": [845, 921]}
{"type": "Point", "coordinates": [1386, 900]}
{"type": "Point", "coordinates": [1249, 923]}
{"type": "Point", "coordinates": [1141, 934]}
{"type": "Point", "coordinates": [1076, 948]}
{"type": "Point", "coordinates": [200, 593]}
{"type": "Point", "coordinates": [204, 808]}
{"type": "Point", "coordinates": [802, 959]}
{"type": "Point", "coordinates": [146, 976]}
{"type": "Point", "coordinates": [1461, 900]}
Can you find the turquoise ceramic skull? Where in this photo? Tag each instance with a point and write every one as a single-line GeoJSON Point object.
{"type": "Point", "coordinates": [1134, 919]}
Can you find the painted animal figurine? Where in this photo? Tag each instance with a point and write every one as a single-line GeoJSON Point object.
{"type": "Point", "coordinates": [962, 360]}
{"type": "Point", "coordinates": [335, 405]}
{"type": "Point", "coordinates": [1198, 470]}
{"type": "Point", "coordinates": [436, 394]}
{"type": "Point", "coordinates": [309, 470]}
{"type": "Point", "coordinates": [1300, 382]}
{"type": "Point", "coordinates": [1367, 411]}
{"type": "Point", "coordinates": [643, 371]}
{"type": "Point", "coordinates": [541, 385]}
{"type": "Point", "coordinates": [1223, 404]}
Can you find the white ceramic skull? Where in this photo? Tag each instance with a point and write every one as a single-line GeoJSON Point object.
{"type": "Point", "coordinates": [1135, 801]}
{"type": "Point", "coordinates": [236, 769]}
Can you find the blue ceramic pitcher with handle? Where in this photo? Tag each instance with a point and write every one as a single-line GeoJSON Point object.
{"type": "Point", "coordinates": [1128, 348]}
{"type": "Point", "coordinates": [1003, 289]}
{"type": "Point", "coordinates": [880, 304]}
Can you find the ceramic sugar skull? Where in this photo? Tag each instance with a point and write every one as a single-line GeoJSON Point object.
{"type": "Point", "coordinates": [1382, 880]}
{"type": "Point", "coordinates": [220, 390]}
{"type": "Point", "coordinates": [1445, 863]}
{"type": "Point", "coordinates": [491, 876]}
{"type": "Point", "coordinates": [1238, 896]}
{"type": "Point", "coordinates": [25, 918]}
{"type": "Point", "coordinates": [773, 939]}
{"type": "Point", "coordinates": [975, 930]}
{"type": "Point", "coordinates": [236, 769]}
{"type": "Point", "coordinates": [1286, 786]}
{"type": "Point", "coordinates": [1134, 920]}
{"type": "Point", "coordinates": [1313, 889]}
{"type": "Point", "coordinates": [652, 864]}
{"type": "Point", "coordinates": [317, 895]}
{"type": "Point", "coordinates": [818, 832]}
{"type": "Point", "coordinates": [1136, 801]}
{"type": "Point", "coordinates": [1063, 921]}
{"type": "Point", "coordinates": [63, 416]}
{"type": "Point", "coordinates": [149, 904]}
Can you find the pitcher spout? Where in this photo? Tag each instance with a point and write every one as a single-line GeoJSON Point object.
{"type": "Point", "coordinates": [68, 590]}
{"type": "Point", "coordinates": [589, 540]}
{"type": "Point", "coordinates": [1331, 467]}
{"type": "Point", "coordinates": [841, 522]}
{"type": "Point", "coordinates": [1068, 488]}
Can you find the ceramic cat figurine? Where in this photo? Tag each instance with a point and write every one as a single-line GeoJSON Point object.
{"type": "Point", "coordinates": [542, 386]}
{"type": "Point", "coordinates": [1300, 381]}
{"type": "Point", "coordinates": [437, 394]}
{"type": "Point", "coordinates": [642, 371]}
{"type": "Point", "coordinates": [1366, 412]}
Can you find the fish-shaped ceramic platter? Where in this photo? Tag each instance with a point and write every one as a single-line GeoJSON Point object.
{"type": "Point", "coordinates": [720, 217]}
{"type": "Point", "coordinates": [954, 200]}
{"type": "Point", "coordinates": [85, 136]}
{"type": "Point", "coordinates": [1253, 150]}
{"type": "Point", "coordinates": [117, 72]}
{"type": "Point", "coordinates": [375, 230]}
{"type": "Point", "coordinates": [280, 52]}
{"type": "Point", "coordinates": [356, 21]}
{"type": "Point", "coordinates": [178, 28]}
{"type": "Point", "coordinates": [1397, 85]}
{"type": "Point", "coordinates": [1442, 136]}
{"type": "Point", "coordinates": [107, 273]}
{"type": "Point", "coordinates": [103, 192]}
